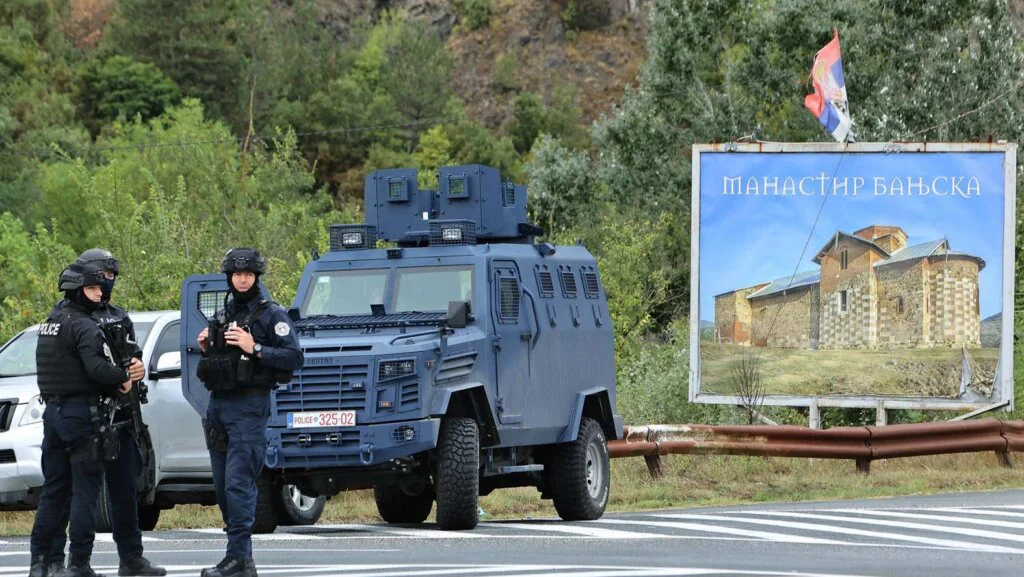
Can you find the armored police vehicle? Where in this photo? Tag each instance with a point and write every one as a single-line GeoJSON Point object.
{"type": "Point", "coordinates": [447, 354]}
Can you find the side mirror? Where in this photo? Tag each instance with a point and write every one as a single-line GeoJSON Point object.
{"type": "Point", "coordinates": [458, 314]}
{"type": "Point", "coordinates": [168, 366]}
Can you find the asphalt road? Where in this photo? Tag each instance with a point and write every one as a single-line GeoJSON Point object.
{"type": "Point", "coordinates": [948, 535]}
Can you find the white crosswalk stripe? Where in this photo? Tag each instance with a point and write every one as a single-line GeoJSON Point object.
{"type": "Point", "coordinates": [901, 524]}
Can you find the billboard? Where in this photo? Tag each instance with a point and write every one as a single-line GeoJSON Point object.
{"type": "Point", "coordinates": [856, 275]}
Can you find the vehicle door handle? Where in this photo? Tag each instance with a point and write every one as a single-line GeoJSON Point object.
{"type": "Point", "coordinates": [527, 336]}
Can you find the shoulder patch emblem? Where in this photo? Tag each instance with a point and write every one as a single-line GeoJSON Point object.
{"type": "Point", "coordinates": [106, 351]}
{"type": "Point", "coordinates": [282, 329]}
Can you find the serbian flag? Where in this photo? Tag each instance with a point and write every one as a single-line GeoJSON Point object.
{"type": "Point", "coordinates": [828, 103]}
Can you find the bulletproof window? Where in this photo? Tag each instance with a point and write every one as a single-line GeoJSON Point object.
{"type": "Point", "coordinates": [545, 284]}
{"type": "Point", "coordinates": [590, 286]}
{"type": "Point", "coordinates": [508, 197]}
{"type": "Point", "coordinates": [457, 186]}
{"type": "Point", "coordinates": [899, 305]}
{"type": "Point", "coordinates": [844, 259]}
{"type": "Point", "coordinates": [396, 188]}
{"type": "Point", "coordinates": [210, 302]}
{"type": "Point", "coordinates": [842, 301]}
{"type": "Point", "coordinates": [508, 292]}
{"type": "Point", "coordinates": [568, 283]}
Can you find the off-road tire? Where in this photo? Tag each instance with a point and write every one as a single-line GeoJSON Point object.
{"type": "Point", "coordinates": [267, 518]}
{"type": "Point", "coordinates": [149, 516]}
{"type": "Point", "coordinates": [458, 474]}
{"type": "Point", "coordinates": [397, 506]}
{"type": "Point", "coordinates": [579, 475]}
{"type": "Point", "coordinates": [291, 514]}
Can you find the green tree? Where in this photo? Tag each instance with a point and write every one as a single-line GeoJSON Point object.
{"type": "Point", "coordinates": [121, 87]}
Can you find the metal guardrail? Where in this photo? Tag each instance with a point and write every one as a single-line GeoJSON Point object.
{"type": "Point", "coordinates": [860, 444]}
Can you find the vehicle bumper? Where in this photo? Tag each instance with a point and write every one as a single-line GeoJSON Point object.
{"type": "Point", "coordinates": [359, 446]}
{"type": "Point", "coordinates": [20, 480]}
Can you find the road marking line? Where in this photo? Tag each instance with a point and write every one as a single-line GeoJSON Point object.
{"type": "Point", "coordinates": [763, 535]}
{"type": "Point", "coordinates": [582, 530]}
{"type": "Point", "coordinates": [901, 524]}
{"type": "Point", "coordinates": [900, 514]}
{"type": "Point", "coordinates": [947, 543]}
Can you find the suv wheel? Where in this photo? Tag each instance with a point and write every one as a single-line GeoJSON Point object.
{"type": "Point", "coordinates": [458, 474]}
{"type": "Point", "coordinates": [295, 508]}
{"type": "Point", "coordinates": [395, 505]}
{"type": "Point", "coordinates": [578, 474]}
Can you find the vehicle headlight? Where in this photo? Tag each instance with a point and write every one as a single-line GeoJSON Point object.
{"type": "Point", "coordinates": [395, 369]}
{"type": "Point", "coordinates": [33, 412]}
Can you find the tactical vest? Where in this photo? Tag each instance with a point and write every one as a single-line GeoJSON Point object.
{"type": "Point", "coordinates": [225, 367]}
{"type": "Point", "coordinates": [60, 367]}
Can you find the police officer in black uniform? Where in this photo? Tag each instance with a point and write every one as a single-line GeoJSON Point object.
{"type": "Point", "coordinates": [248, 349]}
{"type": "Point", "coordinates": [122, 473]}
{"type": "Point", "coordinates": [75, 374]}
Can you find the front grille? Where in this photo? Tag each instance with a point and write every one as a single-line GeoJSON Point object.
{"type": "Point", "coordinates": [455, 366]}
{"type": "Point", "coordinates": [326, 388]}
{"type": "Point", "coordinates": [7, 456]}
{"type": "Point", "coordinates": [410, 396]}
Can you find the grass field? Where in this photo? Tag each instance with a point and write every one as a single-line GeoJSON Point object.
{"type": "Point", "coordinates": [904, 372]}
{"type": "Point", "coordinates": [689, 481]}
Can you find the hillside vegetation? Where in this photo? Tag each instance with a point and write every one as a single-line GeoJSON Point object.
{"type": "Point", "coordinates": [168, 131]}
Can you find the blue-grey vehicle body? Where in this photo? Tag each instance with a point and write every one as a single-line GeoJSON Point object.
{"type": "Point", "coordinates": [536, 356]}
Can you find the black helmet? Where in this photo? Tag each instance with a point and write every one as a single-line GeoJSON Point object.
{"type": "Point", "coordinates": [78, 275]}
{"type": "Point", "coordinates": [102, 258]}
{"type": "Point", "coordinates": [243, 259]}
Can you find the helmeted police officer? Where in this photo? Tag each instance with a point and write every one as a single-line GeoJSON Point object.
{"type": "Point", "coordinates": [247, 350]}
{"type": "Point", "coordinates": [122, 473]}
{"type": "Point", "coordinates": [75, 374]}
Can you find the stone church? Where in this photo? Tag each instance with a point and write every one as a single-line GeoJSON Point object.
{"type": "Point", "coordinates": [871, 290]}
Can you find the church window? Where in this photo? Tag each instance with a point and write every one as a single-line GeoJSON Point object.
{"type": "Point", "coordinates": [899, 305]}
{"type": "Point", "coordinates": [842, 301]}
{"type": "Point", "coordinates": [844, 259]}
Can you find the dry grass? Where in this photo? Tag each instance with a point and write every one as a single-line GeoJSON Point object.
{"type": "Point", "coordinates": [910, 372]}
{"type": "Point", "coordinates": [689, 481]}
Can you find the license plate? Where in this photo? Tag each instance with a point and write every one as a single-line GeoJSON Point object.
{"type": "Point", "coordinates": [321, 419]}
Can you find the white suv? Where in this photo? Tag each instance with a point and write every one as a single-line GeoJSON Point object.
{"type": "Point", "coordinates": [180, 464]}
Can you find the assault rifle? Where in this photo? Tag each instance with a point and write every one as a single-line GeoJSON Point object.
{"type": "Point", "coordinates": [121, 348]}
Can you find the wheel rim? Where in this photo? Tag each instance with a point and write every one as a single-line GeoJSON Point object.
{"type": "Point", "coordinates": [300, 501]}
{"type": "Point", "coordinates": [595, 472]}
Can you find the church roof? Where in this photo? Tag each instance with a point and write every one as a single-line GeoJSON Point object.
{"type": "Point", "coordinates": [801, 279]}
{"type": "Point", "coordinates": [925, 250]}
{"type": "Point", "coordinates": [835, 238]}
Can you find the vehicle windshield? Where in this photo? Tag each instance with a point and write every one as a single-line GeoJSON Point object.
{"type": "Point", "coordinates": [18, 358]}
{"type": "Point", "coordinates": [419, 289]}
{"type": "Point", "coordinates": [343, 293]}
{"type": "Point", "coordinates": [429, 289]}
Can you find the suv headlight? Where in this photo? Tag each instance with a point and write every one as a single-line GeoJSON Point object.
{"type": "Point", "coordinates": [33, 412]}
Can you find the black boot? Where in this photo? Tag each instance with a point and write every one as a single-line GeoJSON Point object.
{"type": "Point", "coordinates": [38, 568]}
{"type": "Point", "coordinates": [139, 566]}
{"type": "Point", "coordinates": [232, 568]}
{"type": "Point", "coordinates": [80, 571]}
{"type": "Point", "coordinates": [55, 569]}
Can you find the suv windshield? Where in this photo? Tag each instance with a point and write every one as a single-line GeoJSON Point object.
{"type": "Point", "coordinates": [18, 358]}
{"type": "Point", "coordinates": [348, 292]}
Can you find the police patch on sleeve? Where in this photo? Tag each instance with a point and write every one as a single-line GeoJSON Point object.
{"type": "Point", "coordinates": [282, 329]}
{"type": "Point", "coordinates": [106, 351]}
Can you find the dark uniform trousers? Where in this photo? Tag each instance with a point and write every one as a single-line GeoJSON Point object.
{"type": "Point", "coordinates": [73, 480]}
{"type": "Point", "coordinates": [242, 416]}
{"type": "Point", "coordinates": [121, 475]}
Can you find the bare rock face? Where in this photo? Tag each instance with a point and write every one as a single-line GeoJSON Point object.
{"type": "Point", "coordinates": [340, 15]}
